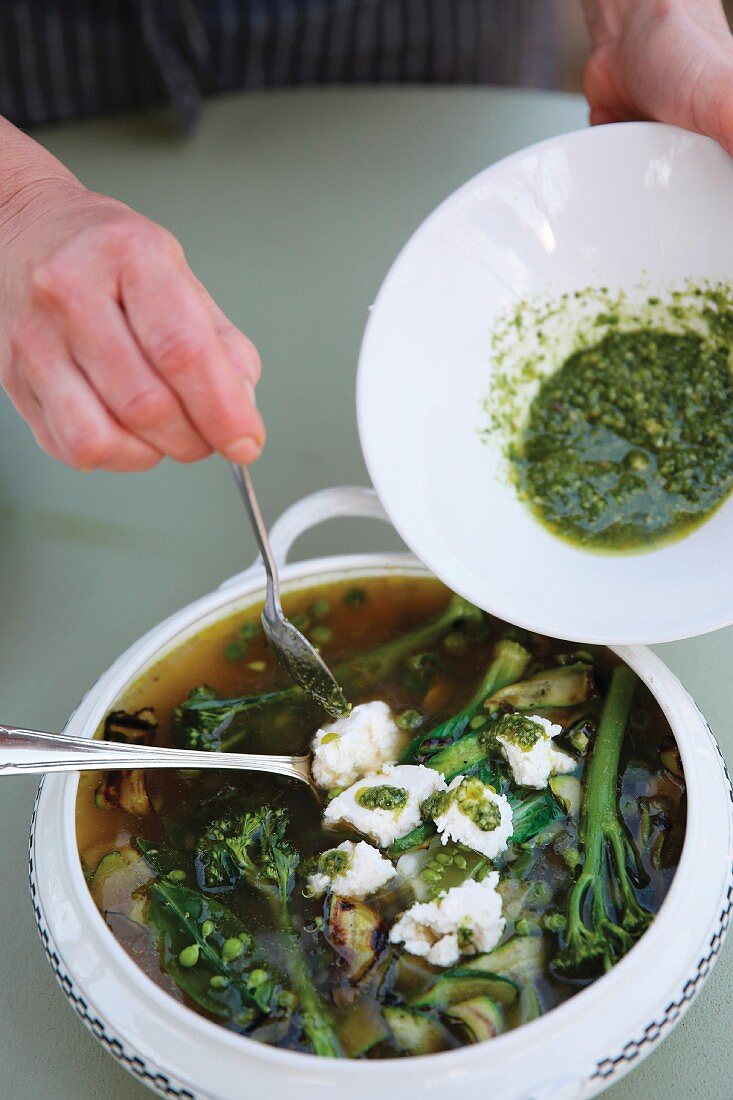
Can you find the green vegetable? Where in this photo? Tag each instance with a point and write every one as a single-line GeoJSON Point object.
{"type": "Point", "coordinates": [252, 847]}
{"type": "Point", "coordinates": [480, 1016]}
{"type": "Point", "coordinates": [206, 722]}
{"type": "Point", "coordinates": [522, 959]}
{"type": "Point", "coordinates": [567, 790]}
{"type": "Point", "coordinates": [605, 918]}
{"type": "Point", "coordinates": [196, 962]}
{"type": "Point", "coordinates": [356, 933]}
{"type": "Point", "coordinates": [416, 838]}
{"type": "Point", "coordinates": [463, 984]}
{"type": "Point", "coordinates": [565, 686]}
{"type": "Point", "coordinates": [415, 1032]}
{"type": "Point", "coordinates": [532, 815]}
{"type": "Point", "coordinates": [362, 1028]}
{"type": "Point", "coordinates": [509, 662]}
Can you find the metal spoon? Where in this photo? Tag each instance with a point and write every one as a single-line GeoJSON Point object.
{"type": "Point", "coordinates": [294, 652]}
{"type": "Point", "coordinates": [25, 752]}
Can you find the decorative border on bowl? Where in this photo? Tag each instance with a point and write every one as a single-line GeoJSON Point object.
{"type": "Point", "coordinates": [654, 1031]}
{"type": "Point", "coordinates": [162, 1083]}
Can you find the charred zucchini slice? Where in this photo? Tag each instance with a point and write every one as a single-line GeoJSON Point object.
{"type": "Point", "coordinates": [463, 985]}
{"type": "Point", "coordinates": [415, 1032]}
{"type": "Point", "coordinates": [356, 933]}
{"type": "Point", "coordinates": [482, 1018]}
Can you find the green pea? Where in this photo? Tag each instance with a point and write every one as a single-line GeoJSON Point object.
{"type": "Point", "coordinates": [231, 949]}
{"type": "Point", "coordinates": [555, 922]}
{"type": "Point", "coordinates": [445, 858]}
{"type": "Point", "coordinates": [355, 597]}
{"type": "Point", "coordinates": [523, 927]}
{"type": "Point", "coordinates": [257, 977]}
{"type": "Point", "coordinates": [235, 651]}
{"type": "Point", "coordinates": [218, 981]}
{"type": "Point", "coordinates": [476, 721]}
{"type": "Point", "coordinates": [176, 876]}
{"type": "Point", "coordinates": [189, 956]}
{"type": "Point", "coordinates": [409, 720]}
{"type": "Point", "coordinates": [572, 857]}
{"type": "Point", "coordinates": [329, 737]}
{"type": "Point", "coordinates": [300, 620]}
{"type": "Point", "coordinates": [455, 642]}
{"type": "Point", "coordinates": [288, 1000]}
{"type": "Point", "coordinates": [248, 631]}
{"type": "Point", "coordinates": [460, 861]}
{"type": "Point", "coordinates": [319, 609]}
{"type": "Point", "coordinates": [207, 928]}
{"type": "Point", "coordinates": [321, 635]}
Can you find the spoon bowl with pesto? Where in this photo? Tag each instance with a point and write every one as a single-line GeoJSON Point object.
{"type": "Point", "coordinates": [545, 392]}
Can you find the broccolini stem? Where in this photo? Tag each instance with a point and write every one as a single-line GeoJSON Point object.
{"type": "Point", "coordinates": [363, 671]}
{"type": "Point", "coordinates": [316, 1022]}
{"type": "Point", "coordinates": [608, 852]}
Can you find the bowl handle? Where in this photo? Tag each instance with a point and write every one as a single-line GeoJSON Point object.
{"type": "Point", "coordinates": [344, 500]}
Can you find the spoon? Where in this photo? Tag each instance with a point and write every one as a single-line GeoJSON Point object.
{"type": "Point", "coordinates": [26, 752]}
{"type": "Point", "coordinates": [293, 651]}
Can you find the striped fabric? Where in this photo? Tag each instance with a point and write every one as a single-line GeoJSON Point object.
{"type": "Point", "coordinates": [68, 58]}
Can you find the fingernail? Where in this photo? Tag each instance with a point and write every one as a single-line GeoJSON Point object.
{"type": "Point", "coordinates": [244, 450]}
{"type": "Point", "coordinates": [249, 391]}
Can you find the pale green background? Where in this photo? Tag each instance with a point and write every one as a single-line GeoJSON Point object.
{"type": "Point", "coordinates": [291, 207]}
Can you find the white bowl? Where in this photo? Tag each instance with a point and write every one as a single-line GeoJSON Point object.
{"type": "Point", "coordinates": [572, 1052]}
{"type": "Point", "coordinates": [607, 206]}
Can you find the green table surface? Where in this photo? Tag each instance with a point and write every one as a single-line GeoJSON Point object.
{"type": "Point", "coordinates": [290, 206]}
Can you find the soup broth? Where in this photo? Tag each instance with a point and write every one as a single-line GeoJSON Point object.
{"type": "Point", "coordinates": [234, 927]}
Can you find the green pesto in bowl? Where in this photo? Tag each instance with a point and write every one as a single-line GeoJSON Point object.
{"type": "Point", "coordinates": [615, 412]}
{"type": "Point", "coordinates": [631, 440]}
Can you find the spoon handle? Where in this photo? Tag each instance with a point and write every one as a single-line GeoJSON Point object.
{"type": "Point", "coordinates": [25, 752]}
{"type": "Point", "coordinates": [246, 490]}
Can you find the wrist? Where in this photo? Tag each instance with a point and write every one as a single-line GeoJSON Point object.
{"type": "Point", "coordinates": [28, 172]}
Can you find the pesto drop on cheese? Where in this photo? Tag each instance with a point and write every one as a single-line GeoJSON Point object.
{"type": "Point", "coordinates": [630, 441]}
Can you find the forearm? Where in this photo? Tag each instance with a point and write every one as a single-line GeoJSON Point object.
{"type": "Point", "coordinates": [24, 166]}
{"type": "Point", "coordinates": [607, 19]}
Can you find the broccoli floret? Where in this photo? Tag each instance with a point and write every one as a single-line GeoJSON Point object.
{"type": "Point", "coordinates": [605, 918]}
{"type": "Point", "coordinates": [201, 721]}
{"type": "Point", "coordinates": [252, 847]}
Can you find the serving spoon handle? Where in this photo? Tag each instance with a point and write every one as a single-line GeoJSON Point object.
{"type": "Point", "coordinates": [26, 752]}
{"type": "Point", "coordinates": [294, 652]}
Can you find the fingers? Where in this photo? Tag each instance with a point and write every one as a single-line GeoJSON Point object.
{"type": "Point", "coordinates": [176, 330]}
{"type": "Point", "coordinates": [106, 351]}
{"type": "Point", "coordinates": [73, 421]}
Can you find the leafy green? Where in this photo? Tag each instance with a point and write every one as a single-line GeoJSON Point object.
{"type": "Point", "coordinates": [179, 915]}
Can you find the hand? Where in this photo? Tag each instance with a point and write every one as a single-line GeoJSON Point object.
{"type": "Point", "coordinates": [669, 60]}
{"type": "Point", "coordinates": [110, 348]}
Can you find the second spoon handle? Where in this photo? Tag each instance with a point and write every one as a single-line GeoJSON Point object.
{"type": "Point", "coordinates": [25, 752]}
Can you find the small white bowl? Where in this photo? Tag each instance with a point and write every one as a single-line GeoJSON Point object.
{"type": "Point", "coordinates": [604, 207]}
{"type": "Point", "coordinates": [571, 1053]}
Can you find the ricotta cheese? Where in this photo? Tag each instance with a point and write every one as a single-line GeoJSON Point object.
{"type": "Point", "coordinates": [464, 921]}
{"type": "Point", "coordinates": [385, 805]}
{"type": "Point", "coordinates": [534, 759]}
{"type": "Point", "coordinates": [351, 870]}
{"type": "Point", "coordinates": [473, 814]}
{"type": "Point", "coordinates": [363, 742]}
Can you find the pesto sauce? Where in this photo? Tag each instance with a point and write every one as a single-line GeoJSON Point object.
{"type": "Point", "coordinates": [382, 797]}
{"type": "Point", "coordinates": [630, 441]}
{"type": "Point", "coordinates": [473, 801]}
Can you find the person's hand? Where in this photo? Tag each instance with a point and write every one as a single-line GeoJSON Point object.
{"type": "Point", "coordinates": [669, 60]}
{"type": "Point", "coordinates": [110, 348]}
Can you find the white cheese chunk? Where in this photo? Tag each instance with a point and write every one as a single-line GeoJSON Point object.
{"type": "Point", "coordinates": [532, 766]}
{"type": "Point", "coordinates": [413, 784]}
{"type": "Point", "coordinates": [466, 920]}
{"type": "Point", "coordinates": [475, 815]}
{"type": "Point", "coordinates": [363, 742]}
{"type": "Point", "coordinates": [362, 871]}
